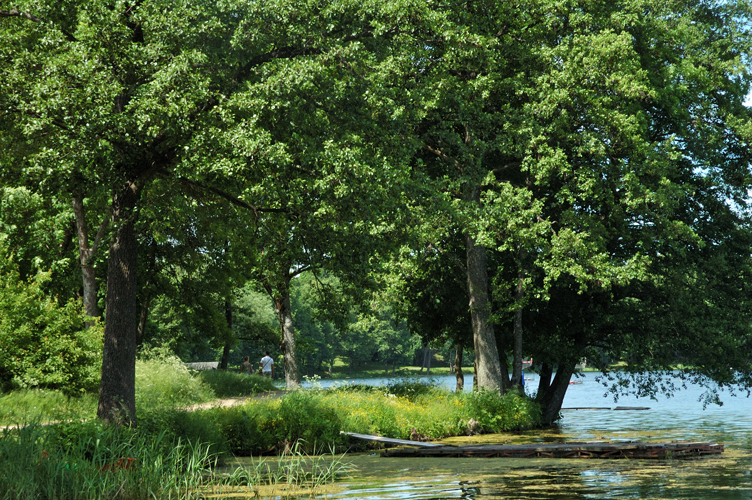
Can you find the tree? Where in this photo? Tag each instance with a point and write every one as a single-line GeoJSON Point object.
{"type": "Point", "coordinates": [113, 96]}
{"type": "Point", "coordinates": [634, 156]}
{"type": "Point", "coordinates": [567, 142]}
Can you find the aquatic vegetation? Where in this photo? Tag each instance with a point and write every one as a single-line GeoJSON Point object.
{"type": "Point", "coordinates": [90, 460]}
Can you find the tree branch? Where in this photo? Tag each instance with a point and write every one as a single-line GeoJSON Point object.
{"type": "Point", "coordinates": [17, 13]}
{"type": "Point", "coordinates": [443, 156]}
{"type": "Point", "coordinates": [32, 17]}
{"type": "Point", "coordinates": [232, 199]}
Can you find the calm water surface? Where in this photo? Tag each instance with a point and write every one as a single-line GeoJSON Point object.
{"type": "Point", "coordinates": [681, 417]}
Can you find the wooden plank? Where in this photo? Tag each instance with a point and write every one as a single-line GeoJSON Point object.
{"type": "Point", "coordinates": [621, 408]}
{"type": "Point", "coordinates": [588, 408]}
{"type": "Point", "coordinates": [644, 450]}
{"type": "Point", "coordinates": [404, 442]}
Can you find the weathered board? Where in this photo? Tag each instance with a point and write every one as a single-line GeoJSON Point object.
{"type": "Point", "coordinates": [674, 449]}
{"type": "Point", "coordinates": [387, 440]}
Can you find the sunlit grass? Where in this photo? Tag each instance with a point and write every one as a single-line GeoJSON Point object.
{"type": "Point", "coordinates": [34, 405]}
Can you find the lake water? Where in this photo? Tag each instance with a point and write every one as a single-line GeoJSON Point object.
{"type": "Point", "coordinates": [682, 417]}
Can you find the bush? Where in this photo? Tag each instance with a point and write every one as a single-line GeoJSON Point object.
{"type": "Point", "coordinates": [270, 426]}
{"type": "Point", "coordinates": [314, 418]}
{"type": "Point", "coordinates": [227, 384]}
{"type": "Point", "coordinates": [162, 381]}
{"type": "Point", "coordinates": [42, 343]}
{"type": "Point", "coordinates": [202, 426]}
{"type": "Point", "coordinates": [497, 414]}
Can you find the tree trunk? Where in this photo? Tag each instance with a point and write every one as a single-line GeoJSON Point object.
{"type": "Point", "coordinates": [489, 370]}
{"type": "Point", "coordinates": [142, 318]}
{"type": "Point", "coordinates": [552, 397]}
{"type": "Point", "coordinates": [425, 357]}
{"type": "Point", "coordinates": [117, 392]}
{"type": "Point", "coordinates": [228, 341]}
{"type": "Point", "coordinates": [428, 363]}
{"type": "Point", "coordinates": [460, 377]}
{"type": "Point", "coordinates": [517, 351]}
{"type": "Point", "coordinates": [475, 374]}
{"type": "Point", "coordinates": [85, 256]}
{"type": "Point", "coordinates": [284, 314]}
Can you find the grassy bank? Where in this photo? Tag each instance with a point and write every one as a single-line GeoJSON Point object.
{"type": "Point", "coordinates": [313, 419]}
{"type": "Point", "coordinates": [174, 452]}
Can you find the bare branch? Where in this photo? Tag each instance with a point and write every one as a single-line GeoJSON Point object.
{"type": "Point", "coordinates": [17, 13]}
{"type": "Point", "coordinates": [443, 156]}
{"type": "Point", "coordinates": [32, 17]}
{"type": "Point", "coordinates": [232, 199]}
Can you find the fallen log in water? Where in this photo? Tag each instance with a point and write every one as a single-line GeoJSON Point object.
{"type": "Point", "coordinates": [674, 449]}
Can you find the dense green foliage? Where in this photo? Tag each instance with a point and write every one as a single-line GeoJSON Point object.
{"type": "Point", "coordinates": [163, 381]}
{"type": "Point", "coordinates": [317, 417]}
{"type": "Point", "coordinates": [43, 405]}
{"type": "Point", "coordinates": [555, 179]}
{"type": "Point", "coordinates": [43, 344]}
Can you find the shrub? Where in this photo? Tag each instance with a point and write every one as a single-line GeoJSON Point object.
{"type": "Point", "coordinates": [411, 388]}
{"type": "Point", "coordinates": [497, 414]}
{"type": "Point", "coordinates": [202, 426]}
{"type": "Point", "coordinates": [43, 343]}
{"type": "Point", "coordinates": [228, 384]}
{"type": "Point", "coordinates": [162, 381]}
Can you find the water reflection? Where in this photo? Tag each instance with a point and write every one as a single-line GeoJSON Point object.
{"type": "Point", "coordinates": [727, 477]}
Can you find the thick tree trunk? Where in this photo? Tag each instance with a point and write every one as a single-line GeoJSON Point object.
{"type": "Point", "coordinates": [85, 256]}
{"type": "Point", "coordinates": [489, 370]}
{"type": "Point", "coordinates": [459, 376]}
{"type": "Point", "coordinates": [284, 314]}
{"type": "Point", "coordinates": [117, 392]}
{"type": "Point", "coordinates": [552, 397]}
{"type": "Point", "coordinates": [226, 350]}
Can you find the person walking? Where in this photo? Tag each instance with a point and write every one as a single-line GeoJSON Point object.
{"type": "Point", "coordinates": [246, 366]}
{"type": "Point", "coordinates": [267, 366]}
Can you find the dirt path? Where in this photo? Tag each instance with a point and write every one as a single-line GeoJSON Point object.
{"type": "Point", "coordinates": [217, 403]}
{"type": "Point", "coordinates": [235, 401]}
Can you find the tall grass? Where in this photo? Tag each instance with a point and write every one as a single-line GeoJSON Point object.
{"type": "Point", "coordinates": [417, 411]}
{"type": "Point", "coordinates": [162, 381]}
{"type": "Point", "coordinates": [227, 384]}
{"type": "Point", "coordinates": [89, 461]}
{"type": "Point", "coordinates": [23, 406]}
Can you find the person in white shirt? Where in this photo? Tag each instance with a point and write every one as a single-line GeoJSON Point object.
{"type": "Point", "coordinates": [267, 366]}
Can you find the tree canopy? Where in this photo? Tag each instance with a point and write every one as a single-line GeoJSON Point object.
{"type": "Point", "coordinates": [580, 169]}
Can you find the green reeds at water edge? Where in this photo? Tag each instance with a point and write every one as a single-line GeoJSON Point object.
{"type": "Point", "coordinates": [88, 461]}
